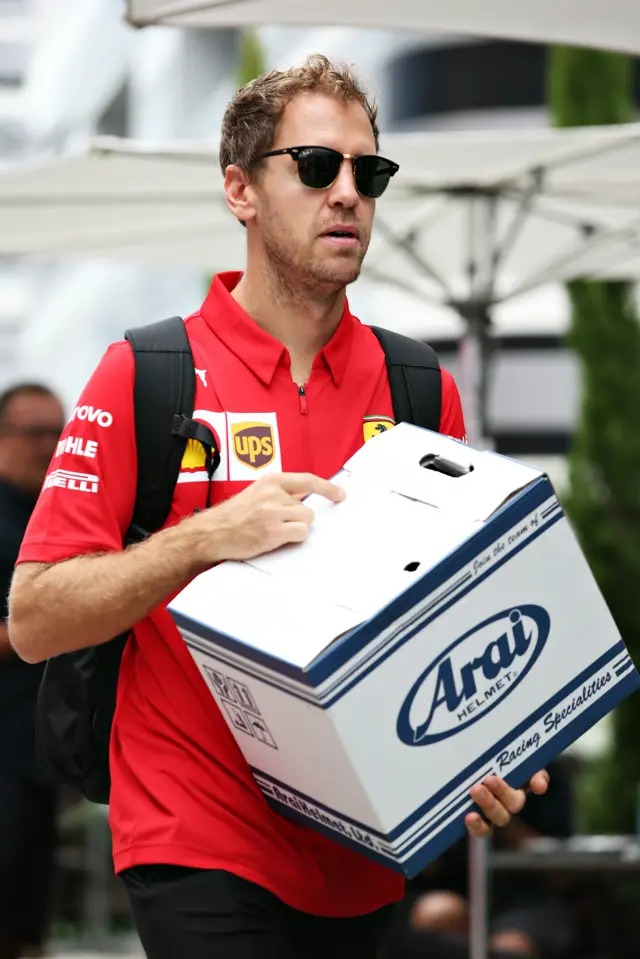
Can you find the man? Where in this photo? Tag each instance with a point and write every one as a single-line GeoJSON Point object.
{"type": "Point", "coordinates": [31, 420]}
{"type": "Point", "coordinates": [211, 870]}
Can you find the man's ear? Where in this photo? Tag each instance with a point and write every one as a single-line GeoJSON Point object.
{"type": "Point", "coordinates": [239, 193]}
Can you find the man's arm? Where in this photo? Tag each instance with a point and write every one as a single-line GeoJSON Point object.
{"type": "Point", "coordinates": [84, 601]}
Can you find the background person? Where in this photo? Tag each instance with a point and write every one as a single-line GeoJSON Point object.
{"type": "Point", "coordinates": [31, 420]}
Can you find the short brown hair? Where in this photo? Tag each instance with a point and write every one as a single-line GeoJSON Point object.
{"type": "Point", "coordinates": [251, 119]}
{"type": "Point", "coordinates": [23, 389]}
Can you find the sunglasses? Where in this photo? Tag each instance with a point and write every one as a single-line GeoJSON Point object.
{"type": "Point", "coordinates": [318, 168]}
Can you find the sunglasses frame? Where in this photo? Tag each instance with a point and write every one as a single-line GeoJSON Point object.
{"type": "Point", "coordinates": [294, 153]}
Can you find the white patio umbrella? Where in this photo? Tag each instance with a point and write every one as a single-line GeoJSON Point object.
{"type": "Point", "coordinates": [478, 219]}
{"type": "Point", "coordinates": [614, 24]}
{"type": "Point", "coordinates": [472, 220]}
{"type": "Point", "coordinates": [115, 197]}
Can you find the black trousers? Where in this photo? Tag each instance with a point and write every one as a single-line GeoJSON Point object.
{"type": "Point", "coordinates": [211, 914]}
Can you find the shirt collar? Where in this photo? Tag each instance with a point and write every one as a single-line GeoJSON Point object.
{"type": "Point", "coordinates": [257, 349]}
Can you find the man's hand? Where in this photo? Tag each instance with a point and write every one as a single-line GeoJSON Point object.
{"type": "Point", "coordinates": [499, 802]}
{"type": "Point", "coordinates": [264, 516]}
{"type": "Point", "coordinates": [113, 591]}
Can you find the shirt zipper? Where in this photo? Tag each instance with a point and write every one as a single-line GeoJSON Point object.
{"type": "Point", "coordinates": [304, 427]}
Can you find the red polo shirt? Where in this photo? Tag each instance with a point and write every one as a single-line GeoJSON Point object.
{"type": "Point", "coordinates": [181, 790]}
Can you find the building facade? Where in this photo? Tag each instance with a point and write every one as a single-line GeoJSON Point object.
{"type": "Point", "coordinates": [15, 46]}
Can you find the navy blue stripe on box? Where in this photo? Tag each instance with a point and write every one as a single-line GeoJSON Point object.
{"type": "Point", "coordinates": [314, 802]}
{"type": "Point", "coordinates": [419, 613]}
{"type": "Point", "coordinates": [206, 634]}
{"type": "Point", "coordinates": [625, 667]}
{"type": "Point", "coordinates": [213, 652]}
{"type": "Point", "coordinates": [535, 762]}
{"type": "Point", "coordinates": [618, 652]}
{"type": "Point", "coordinates": [342, 650]}
{"type": "Point", "coordinates": [288, 813]}
{"type": "Point", "coordinates": [429, 850]}
{"type": "Point", "coordinates": [402, 635]}
{"type": "Point", "coordinates": [459, 795]}
{"type": "Point", "coordinates": [488, 754]}
{"type": "Point", "coordinates": [449, 788]}
{"type": "Point", "coordinates": [463, 806]}
{"type": "Point", "coordinates": [420, 624]}
{"type": "Point", "coordinates": [552, 748]}
{"type": "Point", "coordinates": [623, 659]}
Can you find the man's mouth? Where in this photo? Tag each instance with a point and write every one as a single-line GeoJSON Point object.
{"type": "Point", "coordinates": [342, 231]}
{"type": "Point", "coordinates": [344, 236]}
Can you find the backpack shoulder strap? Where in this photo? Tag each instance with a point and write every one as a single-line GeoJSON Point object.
{"type": "Point", "coordinates": [414, 379]}
{"type": "Point", "coordinates": [164, 389]}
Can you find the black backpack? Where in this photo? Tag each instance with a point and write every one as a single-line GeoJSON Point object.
{"type": "Point", "coordinates": [77, 695]}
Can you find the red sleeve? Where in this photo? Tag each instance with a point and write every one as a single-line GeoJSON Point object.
{"type": "Point", "coordinates": [89, 492]}
{"type": "Point", "coordinates": [451, 417]}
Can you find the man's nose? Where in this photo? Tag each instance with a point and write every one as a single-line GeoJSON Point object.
{"type": "Point", "coordinates": [343, 192]}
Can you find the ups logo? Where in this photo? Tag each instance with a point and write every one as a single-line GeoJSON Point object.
{"type": "Point", "coordinates": [253, 444]}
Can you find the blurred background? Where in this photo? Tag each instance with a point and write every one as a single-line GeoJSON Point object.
{"type": "Point", "coordinates": [563, 388]}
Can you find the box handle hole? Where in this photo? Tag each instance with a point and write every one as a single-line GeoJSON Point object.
{"type": "Point", "coordinates": [411, 567]}
{"type": "Point", "coordinates": [441, 465]}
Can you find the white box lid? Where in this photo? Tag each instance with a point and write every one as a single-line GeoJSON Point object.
{"type": "Point", "coordinates": [294, 602]}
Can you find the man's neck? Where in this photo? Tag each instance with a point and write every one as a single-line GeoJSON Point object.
{"type": "Point", "coordinates": [303, 322]}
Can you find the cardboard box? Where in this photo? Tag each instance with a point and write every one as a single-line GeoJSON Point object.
{"type": "Point", "coordinates": [368, 674]}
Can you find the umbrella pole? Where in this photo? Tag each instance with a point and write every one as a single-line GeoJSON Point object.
{"type": "Point", "coordinates": [475, 353]}
{"type": "Point", "coordinates": [478, 898]}
{"type": "Point", "coordinates": [476, 349]}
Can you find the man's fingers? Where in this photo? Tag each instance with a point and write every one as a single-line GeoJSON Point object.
{"type": "Point", "coordinates": [293, 533]}
{"type": "Point", "coordinates": [295, 512]}
{"type": "Point", "coordinates": [539, 783]}
{"type": "Point", "coordinates": [498, 802]}
{"type": "Point", "coordinates": [476, 826]}
{"type": "Point", "coordinates": [303, 484]}
{"type": "Point", "coordinates": [512, 799]}
{"type": "Point", "coordinates": [492, 809]}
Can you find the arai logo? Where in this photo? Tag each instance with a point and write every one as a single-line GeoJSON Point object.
{"type": "Point", "coordinates": [473, 675]}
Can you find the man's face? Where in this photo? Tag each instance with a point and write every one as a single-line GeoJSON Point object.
{"type": "Point", "coordinates": [29, 430]}
{"type": "Point", "coordinates": [292, 220]}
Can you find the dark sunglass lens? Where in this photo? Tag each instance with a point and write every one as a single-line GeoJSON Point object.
{"type": "Point", "coordinates": [372, 176]}
{"type": "Point", "coordinates": [318, 168]}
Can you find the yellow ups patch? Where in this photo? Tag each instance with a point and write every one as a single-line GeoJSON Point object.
{"type": "Point", "coordinates": [253, 444]}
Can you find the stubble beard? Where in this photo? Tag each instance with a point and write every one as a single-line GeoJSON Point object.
{"type": "Point", "coordinates": [297, 271]}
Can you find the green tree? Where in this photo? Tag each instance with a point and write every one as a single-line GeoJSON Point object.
{"type": "Point", "coordinates": [251, 59]}
{"type": "Point", "coordinates": [590, 87]}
